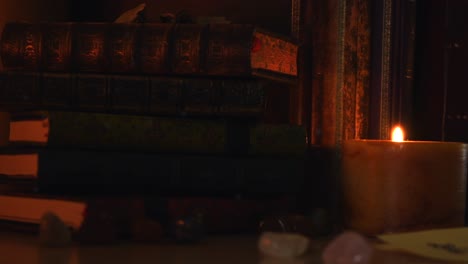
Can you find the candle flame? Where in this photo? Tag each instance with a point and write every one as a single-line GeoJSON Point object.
{"type": "Point", "coordinates": [397, 134]}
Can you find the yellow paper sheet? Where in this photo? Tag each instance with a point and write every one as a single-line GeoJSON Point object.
{"type": "Point", "coordinates": [442, 244]}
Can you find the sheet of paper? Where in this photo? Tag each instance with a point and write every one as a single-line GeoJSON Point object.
{"type": "Point", "coordinates": [442, 244]}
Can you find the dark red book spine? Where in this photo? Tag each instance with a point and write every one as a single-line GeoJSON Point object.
{"type": "Point", "coordinates": [56, 46]}
{"type": "Point", "coordinates": [89, 47]}
{"type": "Point", "coordinates": [21, 46]}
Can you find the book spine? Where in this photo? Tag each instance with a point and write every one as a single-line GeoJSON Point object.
{"type": "Point", "coordinates": [129, 93]}
{"type": "Point", "coordinates": [88, 47]}
{"type": "Point", "coordinates": [110, 131]}
{"type": "Point", "coordinates": [187, 47]}
{"type": "Point", "coordinates": [165, 95]}
{"type": "Point", "coordinates": [198, 97]}
{"type": "Point", "coordinates": [228, 49]}
{"type": "Point", "coordinates": [152, 52]}
{"type": "Point", "coordinates": [163, 174]}
{"type": "Point", "coordinates": [121, 48]}
{"type": "Point", "coordinates": [136, 132]}
{"type": "Point", "coordinates": [241, 97]}
{"type": "Point", "coordinates": [133, 94]}
{"type": "Point", "coordinates": [278, 139]}
{"type": "Point", "coordinates": [56, 46]}
{"type": "Point", "coordinates": [57, 90]}
{"type": "Point", "coordinates": [5, 119]}
{"type": "Point", "coordinates": [21, 46]}
{"type": "Point", "coordinates": [19, 90]}
{"type": "Point", "coordinates": [193, 49]}
{"type": "Point", "coordinates": [90, 92]}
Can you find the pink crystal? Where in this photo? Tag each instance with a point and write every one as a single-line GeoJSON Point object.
{"type": "Point", "coordinates": [348, 248]}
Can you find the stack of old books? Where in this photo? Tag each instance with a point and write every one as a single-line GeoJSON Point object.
{"type": "Point", "coordinates": [147, 108]}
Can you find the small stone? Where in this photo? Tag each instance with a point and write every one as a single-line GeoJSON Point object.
{"type": "Point", "coordinates": [283, 244]}
{"type": "Point", "coordinates": [53, 232]}
{"type": "Point", "coordinates": [348, 248]}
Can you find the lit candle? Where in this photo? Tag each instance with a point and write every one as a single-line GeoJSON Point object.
{"type": "Point", "coordinates": [397, 185]}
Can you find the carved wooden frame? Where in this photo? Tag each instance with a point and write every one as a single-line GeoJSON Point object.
{"type": "Point", "coordinates": [367, 89]}
{"type": "Point", "coordinates": [392, 64]}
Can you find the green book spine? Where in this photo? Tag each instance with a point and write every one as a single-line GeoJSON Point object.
{"type": "Point", "coordinates": [165, 134]}
{"type": "Point", "coordinates": [111, 131]}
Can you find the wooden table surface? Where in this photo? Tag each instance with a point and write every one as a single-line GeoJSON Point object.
{"type": "Point", "coordinates": [18, 248]}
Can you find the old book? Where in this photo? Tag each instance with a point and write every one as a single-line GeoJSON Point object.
{"type": "Point", "coordinates": [56, 46]}
{"type": "Point", "coordinates": [30, 209]}
{"type": "Point", "coordinates": [187, 48]}
{"type": "Point", "coordinates": [57, 90]}
{"type": "Point", "coordinates": [136, 94]}
{"type": "Point", "coordinates": [199, 96]}
{"type": "Point", "coordinates": [121, 43]}
{"type": "Point", "coordinates": [19, 90]}
{"type": "Point", "coordinates": [157, 134]}
{"type": "Point", "coordinates": [59, 171]}
{"type": "Point", "coordinates": [89, 46]}
{"type": "Point", "coordinates": [21, 46]}
{"type": "Point", "coordinates": [237, 97]}
{"type": "Point", "coordinates": [150, 48]}
{"type": "Point", "coordinates": [238, 49]}
{"type": "Point", "coordinates": [129, 93]}
{"type": "Point", "coordinates": [153, 42]}
{"type": "Point", "coordinates": [90, 92]}
{"type": "Point", "coordinates": [96, 219]}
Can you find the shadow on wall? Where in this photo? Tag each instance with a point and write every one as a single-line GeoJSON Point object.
{"type": "Point", "coordinates": [272, 15]}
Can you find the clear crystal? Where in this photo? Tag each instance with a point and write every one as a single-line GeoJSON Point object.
{"type": "Point", "coordinates": [283, 244]}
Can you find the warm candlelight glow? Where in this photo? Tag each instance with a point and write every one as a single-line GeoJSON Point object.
{"type": "Point", "coordinates": [397, 134]}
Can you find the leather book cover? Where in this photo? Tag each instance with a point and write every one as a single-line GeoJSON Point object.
{"type": "Point", "coordinates": [138, 94]}
{"type": "Point", "coordinates": [241, 97]}
{"type": "Point", "coordinates": [228, 49]}
{"type": "Point", "coordinates": [158, 134]}
{"type": "Point", "coordinates": [57, 90]}
{"type": "Point", "coordinates": [278, 139]}
{"type": "Point", "coordinates": [129, 93]}
{"type": "Point", "coordinates": [21, 46]}
{"type": "Point", "coordinates": [122, 47]}
{"type": "Point", "coordinates": [152, 48]}
{"type": "Point", "coordinates": [19, 90]}
{"type": "Point", "coordinates": [165, 95]}
{"type": "Point", "coordinates": [125, 172]}
{"type": "Point", "coordinates": [198, 96]}
{"type": "Point", "coordinates": [56, 46]}
{"type": "Point", "coordinates": [89, 47]}
{"type": "Point", "coordinates": [187, 48]}
{"type": "Point", "coordinates": [133, 132]}
{"type": "Point", "coordinates": [90, 92]}
{"type": "Point", "coordinates": [273, 54]}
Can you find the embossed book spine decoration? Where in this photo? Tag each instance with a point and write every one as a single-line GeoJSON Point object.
{"type": "Point", "coordinates": [153, 48]}
{"type": "Point", "coordinates": [228, 51]}
{"type": "Point", "coordinates": [56, 46]}
{"type": "Point", "coordinates": [21, 46]}
{"type": "Point", "coordinates": [89, 47]}
{"type": "Point", "coordinates": [138, 94]}
{"type": "Point", "coordinates": [187, 48]}
{"type": "Point", "coordinates": [121, 48]}
{"type": "Point", "coordinates": [176, 49]}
